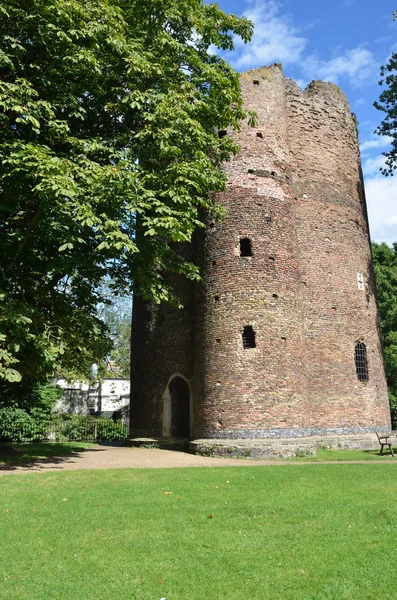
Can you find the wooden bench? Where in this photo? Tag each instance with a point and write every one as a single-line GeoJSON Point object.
{"type": "Point", "coordinates": [384, 440]}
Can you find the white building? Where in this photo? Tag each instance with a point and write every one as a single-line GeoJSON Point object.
{"type": "Point", "coordinates": [106, 398]}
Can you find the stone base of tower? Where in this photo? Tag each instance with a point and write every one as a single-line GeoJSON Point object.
{"type": "Point", "coordinates": [261, 447]}
{"type": "Point", "coordinates": [164, 443]}
{"type": "Point", "coordinates": [282, 447]}
{"type": "Point", "coordinates": [293, 433]}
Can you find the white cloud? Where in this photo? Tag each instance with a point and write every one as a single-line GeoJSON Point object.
{"type": "Point", "coordinates": [382, 208]}
{"type": "Point", "coordinates": [275, 38]}
{"type": "Point", "coordinates": [376, 141]}
{"type": "Point", "coordinates": [357, 65]}
{"type": "Point", "coordinates": [371, 166]}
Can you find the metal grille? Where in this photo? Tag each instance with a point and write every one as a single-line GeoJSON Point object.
{"type": "Point", "coordinates": [360, 358]}
{"type": "Point", "coordinates": [248, 337]}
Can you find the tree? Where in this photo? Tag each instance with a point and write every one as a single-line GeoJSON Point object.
{"type": "Point", "coordinates": [115, 311]}
{"type": "Point", "coordinates": [109, 112]}
{"type": "Point", "coordinates": [388, 104]}
{"type": "Point", "coordinates": [385, 263]}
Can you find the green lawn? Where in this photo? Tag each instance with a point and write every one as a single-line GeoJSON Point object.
{"type": "Point", "coordinates": [17, 453]}
{"type": "Point", "coordinates": [325, 454]}
{"type": "Point", "coordinates": [288, 532]}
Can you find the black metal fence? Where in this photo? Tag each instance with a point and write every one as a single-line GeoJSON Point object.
{"type": "Point", "coordinates": [71, 430]}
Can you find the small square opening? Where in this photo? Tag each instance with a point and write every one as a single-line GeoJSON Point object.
{"type": "Point", "coordinates": [245, 247]}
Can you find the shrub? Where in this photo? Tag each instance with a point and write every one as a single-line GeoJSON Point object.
{"type": "Point", "coordinates": [17, 426]}
{"type": "Point", "coordinates": [109, 430]}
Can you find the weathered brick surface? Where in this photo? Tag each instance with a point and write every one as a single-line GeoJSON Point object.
{"type": "Point", "coordinates": [295, 190]}
{"type": "Point", "coordinates": [161, 346]}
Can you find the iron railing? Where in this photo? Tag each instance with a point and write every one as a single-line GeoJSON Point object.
{"type": "Point", "coordinates": [73, 430]}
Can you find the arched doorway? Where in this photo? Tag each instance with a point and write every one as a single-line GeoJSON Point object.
{"type": "Point", "coordinates": [177, 401]}
{"type": "Point", "coordinates": [180, 407]}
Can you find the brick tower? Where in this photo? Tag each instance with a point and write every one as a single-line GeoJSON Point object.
{"type": "Point", "coordinates": [281, 337]}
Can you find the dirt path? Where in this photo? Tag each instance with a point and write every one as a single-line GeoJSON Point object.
{"type": "Point", "coordinates": [117, 457]}
{"type": "Point", "coordinates": [120, 457]}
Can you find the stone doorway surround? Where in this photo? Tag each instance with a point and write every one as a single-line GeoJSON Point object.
{"type": "Point", "coordinates": [167, 406]}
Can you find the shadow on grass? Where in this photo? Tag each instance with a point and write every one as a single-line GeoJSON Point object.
{"type": "Point", "coordinates": [33, 455]}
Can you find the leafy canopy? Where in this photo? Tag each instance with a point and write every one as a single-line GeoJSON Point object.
{"type": "Point", "coordinates": [388, 104]}
{"type": "Point", "coordinates": [385, 263]}
{"type": "Point", "coordinates": [109, 112]}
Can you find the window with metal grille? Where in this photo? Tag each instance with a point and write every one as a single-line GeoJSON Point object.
{"type": "Point", "coordinates": [248, 337]}
{"type": "Point", "coordinates": [360, 358]}
{"type": "Point", "coordinates": [245, 247]}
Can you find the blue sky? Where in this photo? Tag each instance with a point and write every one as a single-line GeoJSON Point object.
{"type": "Point", "coordinates": [343, 41]}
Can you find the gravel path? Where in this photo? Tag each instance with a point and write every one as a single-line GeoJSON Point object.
{"type": "Point", "coordinates": [120, 457]}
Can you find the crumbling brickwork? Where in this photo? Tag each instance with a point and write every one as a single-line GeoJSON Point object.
{"type": "Point", "coordinates": [302, 282]}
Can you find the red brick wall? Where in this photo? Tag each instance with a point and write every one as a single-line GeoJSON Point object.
{"type": "Point", "coordinates": [295, 190]}
{"type": "Point", "coordinates": [334, 246]}
{"type": "Point", "coordinates": [161, 346]}
{"type": "Point", "coordinates": [263, 387]}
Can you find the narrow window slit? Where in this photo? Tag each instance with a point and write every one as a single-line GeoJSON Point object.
{"type": "Point", "coordinates": [245, 247]}
{"type": "Point", "coordinates": [248, 337]}
{"type": "Point", "coordinates": [255, 82]}
{"type": "Point", "coordinates": [259, 134]}
{"type": "Point", "coordinates": [268, 219]}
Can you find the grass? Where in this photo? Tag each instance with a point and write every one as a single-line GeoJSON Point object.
{"type": "Point", "coordinates": [17, 453]}
{"type": "Point", "coordinates": [289, 532]}
{"type": "Point", "coordinates": [326, 454]}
